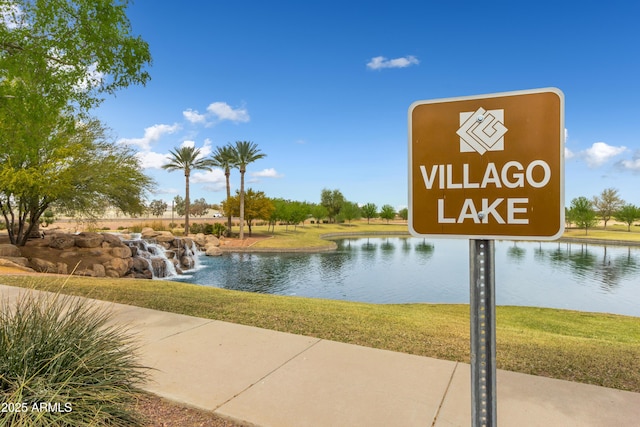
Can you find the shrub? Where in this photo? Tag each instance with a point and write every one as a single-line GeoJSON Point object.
{"type": "Point", "coordinates": [64, 353]}
{"type": "Point", "coordinates": [218, 229]}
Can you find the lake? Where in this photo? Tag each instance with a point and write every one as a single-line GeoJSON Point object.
{"type": "Point", "coordinates": [410, 270]}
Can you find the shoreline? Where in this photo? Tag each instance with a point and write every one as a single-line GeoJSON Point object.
{"type": "Point", "coordinates": [332, 246]}
{"type": "Point", "coordinates": [361, 234]}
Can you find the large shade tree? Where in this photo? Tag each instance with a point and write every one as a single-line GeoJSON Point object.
{"type": "Point", "coordinates": [186, 159]}
{"type": "Point", "coordinates": [76, 50]}
{"type": "Point", "coordinates": [333, 201]}
{"type": "Point", "coordinates": [257, 206]}
{"type": "Point", "coordinates": [244, 153]}
{"type": "Point", "coordinates": [581, 213]}
{"type": "Point", "coordinates": [57, 61]}
{"type": "Point", "coordinates": [607, 204]}
{"type": "Point", "coordinates": [76, 169]}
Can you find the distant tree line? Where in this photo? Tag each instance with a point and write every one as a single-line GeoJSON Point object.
{"type": "Point", "coordinates": [586, 213]}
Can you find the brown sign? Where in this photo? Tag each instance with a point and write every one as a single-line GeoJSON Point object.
{"type": "Point", "coordinates": [488, 167]}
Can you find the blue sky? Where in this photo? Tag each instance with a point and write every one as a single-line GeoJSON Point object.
{"type": "Point", "coordinates": [324, 88]}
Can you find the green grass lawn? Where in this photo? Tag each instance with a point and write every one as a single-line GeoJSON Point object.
{"type": "Point", "coordinates": [598, 349]}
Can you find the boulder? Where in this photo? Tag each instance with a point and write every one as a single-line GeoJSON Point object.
{"type": "Point", "coordinates": [19, 260]}
{"type": "Point", "coordinates": [63, 241]}
{"type": "Point", "coordinates": [68, 254]}
{"type": "Point", "coordinates": [159, 267]}
{"type": "Point", "coordinates": [112, 240]}
{"type": "Point", "coordinates": [213, 251]}
{"type": "Point", "coordinates": [165, 237]}
{"type": "Point", "coordinates": [62, 268]}
{"type": "Point", "coordinates": [149, 233]}
{"type": "Point", "coordinates": [122, 252]}
{"type": "Point", "coordinates": [43, 266]}
{"type": "Point", "coordinates": [87, 272]}
{"type": "Point", "coordinates": [212, 240]}
{"type": "Point", "coordinates": [89, 240]}
{"type": "Point", "coordinates": [200, 239]}
{"type": "Point", "coordinates": [187, 262]}
{"type": "Point", "coordinates": [5, 262]}
{"type": "Point", "coordinates": [118, 266]}
{"type": "Point", "coordinates": [99, 270]}
{"type": "Point", "coordinates": [140, 265]}
{"type": "Point", "coordinates": [9, 250]}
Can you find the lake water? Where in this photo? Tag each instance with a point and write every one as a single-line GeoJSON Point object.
{"type": "Point", "coordinates": [409, 270]}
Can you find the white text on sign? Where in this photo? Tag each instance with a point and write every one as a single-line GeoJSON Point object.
{"type": "Point", "coordinates": [512, 174]}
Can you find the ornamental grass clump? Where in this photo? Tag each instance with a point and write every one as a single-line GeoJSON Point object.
{"type": "Point", "coordinates": [63, 363]}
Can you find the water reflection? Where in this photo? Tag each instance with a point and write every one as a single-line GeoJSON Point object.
{"type": "Point", "coordinates": [610, 267]}
{"type": "Point", "coordinates": [399, 270]}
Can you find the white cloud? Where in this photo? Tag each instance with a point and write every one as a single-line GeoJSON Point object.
{"type": "Point", "coordinates": [215, 179]}
{"type": "Point", "coordinates": [222, 111]}
{"type": "Point", "coordinates": [151, 160]}
{"type": "Point", "coordinates": [634, 164]}
{"type": "Point", "coordinates": [266, 173]}
{"type": "Point", "coordinates": [206, 148]}
{"type": "Point", "coordinates": [599, 153]}
{"type": "Point", "coordinates": [380, 62]}
{"type": "Point", "coordinates": [194, 117]}
{"type": "Point", "coordinates": [568, 154]}
{"type": "Point", "coordinates": [151, 134]}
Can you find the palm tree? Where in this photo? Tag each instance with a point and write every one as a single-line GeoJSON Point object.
{"type": "Point", "coordinates": [223, 158]}
{"type": "Point", "coordinates": [244, 152]}
{"type": "Point", "coordinates": [186, 158]}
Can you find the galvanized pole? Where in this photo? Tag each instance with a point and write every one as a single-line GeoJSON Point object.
{"type": "Point", "coordinates": [483, 333]}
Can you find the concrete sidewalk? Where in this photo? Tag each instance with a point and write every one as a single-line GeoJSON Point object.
{"type": "Point", "coordinates": [267, 378]}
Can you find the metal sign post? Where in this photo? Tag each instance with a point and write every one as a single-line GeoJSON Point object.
{"type": "Point", "coordinates": [487, 167]}
{"type": "Point", "coordinates": [483, 333]}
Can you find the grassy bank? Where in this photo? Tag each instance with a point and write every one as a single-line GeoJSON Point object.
{"type": "Point", "coordinates": [591, 348]}
{"type": "Point", "coordinates": [310, 235]}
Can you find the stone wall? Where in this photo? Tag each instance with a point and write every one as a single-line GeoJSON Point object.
{"type": "Point", "coordinates": [107, 254]}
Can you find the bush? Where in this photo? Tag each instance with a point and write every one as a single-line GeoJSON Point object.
{"type": "Point", "coordinates": [63, 353]}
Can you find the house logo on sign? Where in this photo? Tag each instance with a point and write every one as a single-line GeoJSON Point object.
{"type": "Point", "coordinates": [481, 131]}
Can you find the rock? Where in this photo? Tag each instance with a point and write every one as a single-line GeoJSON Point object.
{"type": "Point", "coordinates": [213, 251]}
{"type": "Point", "coordinates": [119, 266]}
{"type": "Point", "coordinates": [89, 240]}
{"type": "Point", "coordinates": [99, 270]}
{"type": "Point", "coordinates": [68, 254]}
{"type": "Point", "coordinates": [98, 252]}
{"type": "Point", "coordinates": [62, 241]}
{"type": "Point", "coordinates": [140, 265]}
{"type": "Point", "coordinates": [19, 260]}
{"type": "Point", "coordinates": [62, 268]}
{"type": "Point", "coordinates": [84, 272]}
{"type": "Point", "coordinates": [4, 262]}
{"type": "Point", "coordinates": [149, 233]}
{"type": "Point", "coordinates": [200, 239]}
{"type": "Point", "coordinates": [187, 262]}
{"type": "Point", "coordinates": [212, 240]}
{"type": "Point", "coordinates": [165, 237]}
{"type": "Point", "coordinates": [43, 266]}
{"type": "Point", "coordinates": [159, 267]}
{"type": "Point", "coordinates": [122, 252]}
{"type": "Point", "coordinates": [112, 273]}
{"type": "Point", "coordinates": [112, 240]}
{"type": "Point", "coordinates": [9, 250]}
